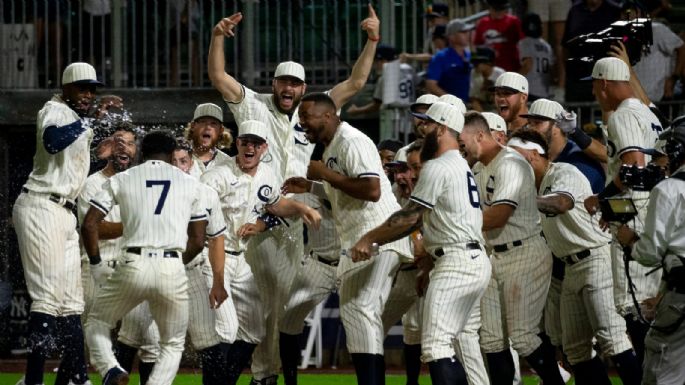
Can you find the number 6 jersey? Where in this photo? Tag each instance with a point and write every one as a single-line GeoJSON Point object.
{"type": "Point", "coordinates": [156, 201]}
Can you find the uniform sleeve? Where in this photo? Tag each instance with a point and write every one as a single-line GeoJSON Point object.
{"type": "Point", "coordinates": [361, 159]}
{"type": "Point", "coordinates": [572, 183]}
{"type": "Point", "coordinates": [106, 198]}
{"type": "Point", "coordinates": [512, 177]}
{"type": "Point", "coordinates": [626, 133]}
{"type": "Point", "coordinates": [215, 217]}
{"type": "Point", "coordinates": [429, 187]}
{"type": "Point", "coordinates": [59, 128]}
{"type": "Point", "coordinates": [250, 108]}
{"type": "Point", "coordinates": [659, 223]}
{"type": "Point", "coordinates": [83, 203]}
{"type": "Point", "coordinates": [214, 180]}
{"type": "Point", "coordinates": [666, 40]}
{"type": "Point", "coordinates": [198, 210]}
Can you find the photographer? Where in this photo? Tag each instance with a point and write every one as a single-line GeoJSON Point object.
{"type": "Point", "coordinates": [662, 243]}
{"type": "Point", "coordinates": [631, 127]}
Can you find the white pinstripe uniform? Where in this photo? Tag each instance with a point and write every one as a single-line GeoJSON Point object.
{"type": "Point", "coordinates": [137, 327]}
{"type": "Point", "coordinates": [364, 285]}
{"type": "Point", "coordinates": [199, 167]}
{"type": "Point", "coordinates": [587, 303]}
{"type": "Point", "coordinates": [452, 234]}
{"type": "Point", "coordinates": [279, 255]}
{"type": "Point", "coordinates": [520, 274]}
{"type": "Point", "coordinates": [208, 327]}
{"type": "Point", "coordinates": [169, 200]}
{"type": "Point", "coordinates": [317, 277]}
{"type": "Point", "coordinates": [631, 127]}
{"type": "Point", "coordinates": [243, 198]}
{"type": "Point", "coordinates": [46, 231]}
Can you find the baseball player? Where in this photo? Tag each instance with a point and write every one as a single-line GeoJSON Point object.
{"type": "Point", "coordinates": [212, 328]}
{"type": "Point", "coordinates": [630, 127]}
{"type": "Point", "coordinates": [208, 136]}
{"type": "Point", "coordinates": [511, 96]}
{"type": "Point", "coordinates": [446, 198]}
{"type": "Point", "coordinates": [361, 197]}
{"type": "Point", "coordinates": [522, 263]}
{"type": "Point", "coordinates": [587, 308]}
{"type": "Point", "coordinates": [46, 227]}
{"type": "Point", "coordinates": [163, 218]}
{"type": "Point", "coordinates": [248, 188]}
{"type": "Point", "coordinates": [289, 155]}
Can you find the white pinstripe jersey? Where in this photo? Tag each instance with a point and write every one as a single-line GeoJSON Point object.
{"type": "Point", "coordinates": [631, 127]}
{"type": "Point", "coordinates": [209, 199]}
{"type": "Point", "coordinates": [109, 248]}
{"type": "Point", "coordinates": [448, 189]}
{"type": "Point", "coordinates": [353, 154]}
{"type": "Point", "coordinates": [199, 167]}
{"type": "Point", "coordinates": [289, 150]}
{"type": "Point", "coordinates": [576, 230]}
{"type": "Point", "coordinates": [156, 201]}
{"type": "Point", "coordinates": [508, 179]}
{"type": "Point", "coordinates": [325, 241]}
{"type": "Point", "coordinates": [65, 172]}
{"type": "Point", "coordinates": [243, 197]}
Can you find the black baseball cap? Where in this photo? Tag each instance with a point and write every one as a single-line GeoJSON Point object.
{"type": "Point", "coordinates": [483, 54]}
{"type": "Point", "coordinates": [386, 52]}
{"type": "Point", "coordinates": [438, 10]}
{"type": "Point", "coordinates": [440, 31]}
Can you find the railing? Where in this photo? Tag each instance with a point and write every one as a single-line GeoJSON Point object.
{"type": "Point", "coordinates": [163, 43]}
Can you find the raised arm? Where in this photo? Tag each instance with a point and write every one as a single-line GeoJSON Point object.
{"type": "Point", "coordinates": [227, 85]}
{"type": "Point", "coordinates": [345, 90]}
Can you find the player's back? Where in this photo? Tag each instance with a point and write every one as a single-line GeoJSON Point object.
{"type": "Point", "coordinates": [156, 200]}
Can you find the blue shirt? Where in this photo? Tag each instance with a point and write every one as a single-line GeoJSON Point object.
{"type": "Point", "coordinates": [591, 168]}
{"type": "Point", "coordinates": [452, 72]}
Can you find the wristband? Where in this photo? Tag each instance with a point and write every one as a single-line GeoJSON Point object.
{"type": "Point", "coordinates": [374, 40]}
{"type": "Point", "coordinates": [610, 190]}
{"type": "Point", "coordinates": [95, 259]}
{"type": "Point", "coordinates": [582, 139]}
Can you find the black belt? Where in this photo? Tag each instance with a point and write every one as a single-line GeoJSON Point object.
{"type": "Point", "coordinates": [505, 246]}
{"type": "Point", "coordinates": [409, 267]}
{"type": "Point", "coordinates": [439, 252]}
{"type": "Point", "coordinates": [167, 253]}
{"type": "Point", "coordinates": [328, 262]}
{"type": "Point", "coordinates": [575, 258]}
{"type": "Point", "coordinates": [235, 253]}
{"type": "Point", "coordinates": [558, 269]}
{"type": "Point", "coordinates": [54, 198]}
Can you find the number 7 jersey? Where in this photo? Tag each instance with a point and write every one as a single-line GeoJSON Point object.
{"type": "Point", "coordinates": [156, 201]}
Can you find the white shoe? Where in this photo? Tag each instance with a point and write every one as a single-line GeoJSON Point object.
{"type": "Point", "coordinates": [565, 375]}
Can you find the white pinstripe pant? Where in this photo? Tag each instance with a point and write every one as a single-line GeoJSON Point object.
{"type": "Point", "coordinates": [512, 306]}
{"type": "Point", "coordinates": [160, 281]}
{"type": "Point", "coordinates": [139, 330]}
{"type": "Point", "coordinates": [49, 249]}
{"type": "Point", "coordinates": [247, 300]}
{"type": "Point", "coordinates": [364, 289]}
{"type": "Point", "coordinates": [552, 315]}
{"type": "Point", "coordinates": [402, 303]}
{"type": "Point", "coordinates": [314, 282]}
{"type": "Point", "coordinates": [588, 310]}
{"type": "Point", "coordinates": [457, 282]}
{"type": "Point", "coordinates": [664, 352]}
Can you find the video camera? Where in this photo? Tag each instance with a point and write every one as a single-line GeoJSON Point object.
{"type": "Point", "coordinates": [635, 34]}
{"type": "Point", "coordinates": [617, 209]}
{"type": "Point", "coordinates": [641, 178]}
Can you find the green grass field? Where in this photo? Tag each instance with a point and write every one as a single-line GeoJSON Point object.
{"type": "Point", "coordinates": [304, 379]}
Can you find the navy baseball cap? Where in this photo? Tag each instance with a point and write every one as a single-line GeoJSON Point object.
{"type": "Point", "coordinates": [386, 52]}
{"type": "Point", "coordinates": [438, 10]}
{"type": "Point", "coordinates": [483, 54]}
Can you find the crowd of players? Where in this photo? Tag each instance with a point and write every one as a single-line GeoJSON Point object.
{"type": "Point", "coordinates": [487, 245]}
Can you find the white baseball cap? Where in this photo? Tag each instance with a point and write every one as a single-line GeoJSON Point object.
{"type": "Point", "coordinates": [424, 100]}
{"type": "Point", "coordinates": [495, 122]}
{"type": "Point", "coordinates": [290, 68]}
{"type": "Point", "coordinates": [453, 100]}
{"type": "Point", "coordinates": [80, 73]}
{"type": "Point", "coordinates": [208, 109]}
{"type": "Point", "coordinates": [444, 113]}
{"type": "Point", "coordinates": [253, 128]}
{"type": "Point", "coordinates": [512, 81]}
{"type": "Point", "coordinates": [543, 109]}
{"type": "Point", "coordinates": [610, 68]}
{"type": "Point", "coordinates": [458, 25]}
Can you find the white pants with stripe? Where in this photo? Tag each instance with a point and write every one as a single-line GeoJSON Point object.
{"type": "Point", "coordinates": [50, 255]}
{"type": "Point", "coordinates": [160, 281]}
{"type": "Point", "coordinates": [402, 303]}
{"type": "Point", "coordinates": [664, 352]}
{"type": "Point", "coordinates": [364, 290]}
{"type": "Point", "coordinates": [512, 306]}
{"type": "Point", "coordinates": [139, 330]}
{"type": "Point", "coordinates": [247, 300]}
{"type": "Point", "coordinates": [314, 282]}
{"type": "Point", "coordinates": [588, 310]}
{"type": "Point", "coordinates": [457, 282]}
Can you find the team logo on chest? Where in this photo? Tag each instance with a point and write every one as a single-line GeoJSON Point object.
{"type": "Point", "coordinates": [489, 189]}
{"type": "Point", "coordinates": [300, 137]}
{"type": "Point", "coordinates": [264, 192]}
{"type": "Point", "coordinates": [332, 163]}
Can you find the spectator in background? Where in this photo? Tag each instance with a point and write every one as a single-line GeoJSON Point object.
{"type": "Point", "coordinates": [483, 77]}
{"type": "Point", "coordinates": [50, 17]}
{"type": "Point", "coordinates": [449, 71]}
{"type": "Point", "coordinates": [553, 17]}
{"type": "Point", "coordinates": [537, 59]}
{"type": "Point", "coordinates": [584, 17]}
{"type": "Point", "coordinates": [184, 19]}
{"type": "Point", "coordinates": [665, 63]}
{"type": "Point", "coordinates": [436, 17]}
{"type": "Point", "coordinates": [501, 32]}
{"type": "Point", "coordinates": [94, 34]}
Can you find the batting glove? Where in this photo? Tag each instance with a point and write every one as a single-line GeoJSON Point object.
{"type": "Point", "coordinates": [100, 272]}
{"type": "Point", "coordinates": [566, 121]}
